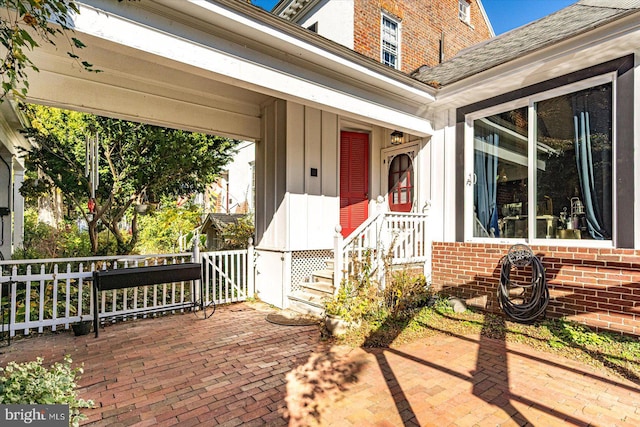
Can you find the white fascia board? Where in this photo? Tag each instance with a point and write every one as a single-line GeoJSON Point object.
{"type": "Point", "coordinates": [486, 18]}
{"type": "Point", "coordinates": [600, 45]}
{"type": "Point", "coordinates": [241, 71]}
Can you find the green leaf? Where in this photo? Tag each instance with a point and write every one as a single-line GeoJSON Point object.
{"type": "Point", "coordinates": [26, 36]}
{"type": "Point", "coordinates": [77, 43]}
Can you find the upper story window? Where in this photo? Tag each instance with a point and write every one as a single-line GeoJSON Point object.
{"type": "Point", "coordinates": [390, 42]}
{"type": "Point", "coordinates": [542, 168]}
{"type": "Point", "coordinates": [464, 11]}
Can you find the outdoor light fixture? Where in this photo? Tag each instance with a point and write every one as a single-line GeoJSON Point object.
{"type": "Point", "coordinates": [396, 137]}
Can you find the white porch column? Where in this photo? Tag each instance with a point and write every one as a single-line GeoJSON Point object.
{"type": "Point", "coordinates": [18, 207]}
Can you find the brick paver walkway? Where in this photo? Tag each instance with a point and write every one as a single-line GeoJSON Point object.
{"type": "Point", "coordinates": [237, 369]}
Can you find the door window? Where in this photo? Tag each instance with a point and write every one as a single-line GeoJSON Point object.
{"type": "Point", "coordinates": [401, 185]}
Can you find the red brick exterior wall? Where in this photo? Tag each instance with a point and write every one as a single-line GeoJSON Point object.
{"type": "Point", "coordinates": [422, 23]}
{"type": "Point", "coordinates": [596, 287]}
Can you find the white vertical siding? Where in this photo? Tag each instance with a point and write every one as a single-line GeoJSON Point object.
{"type": "Point", "coordinates": [441, 170]}
{"type": "Point", "coordinates": [330, 150]}
{"type": "Point", "coordinates": [313, 151]}
{"type": "Point", "coordinates": [450, 200]}
{"type": "Point", "coordinates": [313, 205]}
{"type": "Point", "coordinates": [378, 135]}
{"type": "Point", "coordinates": [271, 172]}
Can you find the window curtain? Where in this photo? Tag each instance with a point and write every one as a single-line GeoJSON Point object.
{"type": "Point", "coordinates": [584, 162]}
{"type": "Point", "coordinates": [486, 169]}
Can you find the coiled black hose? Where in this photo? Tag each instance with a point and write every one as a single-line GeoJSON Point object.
{"type": "Point", "coordinates": [535, 295]}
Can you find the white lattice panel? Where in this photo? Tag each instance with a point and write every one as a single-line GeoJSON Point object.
{"type": "Point", "coordinates": [304, 263]}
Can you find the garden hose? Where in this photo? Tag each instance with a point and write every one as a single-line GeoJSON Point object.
{"type": "Point", "coordinates": [535, 295]}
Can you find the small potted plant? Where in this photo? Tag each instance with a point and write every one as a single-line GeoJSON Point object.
{"type": "Point", "coordinates": [83, 327]}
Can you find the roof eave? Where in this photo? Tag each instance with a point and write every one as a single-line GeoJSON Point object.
{"type": "Point", "coordinates": [512, 73]}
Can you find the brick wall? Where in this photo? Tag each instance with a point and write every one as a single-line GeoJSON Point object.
{"type": "Point", "coordinates": [597, 287]}
{"type": "Point", "coordinates": [422, 23]}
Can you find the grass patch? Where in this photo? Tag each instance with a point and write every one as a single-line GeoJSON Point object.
{"type": "Point", "coordinates": [618, 354]}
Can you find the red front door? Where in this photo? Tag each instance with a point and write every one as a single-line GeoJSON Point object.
{"type": "Point", "coordinates": [354, 180]}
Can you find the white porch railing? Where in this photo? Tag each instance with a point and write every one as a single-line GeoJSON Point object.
{"type": "Point", "coordinates": [390, 238]}
{"type": "Point", "coordinates": [54, 293]}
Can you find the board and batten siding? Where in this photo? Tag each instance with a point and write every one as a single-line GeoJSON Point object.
{"type": "Point", "coordinates": [270, 170]}
{"type": "Point", "coordinates": [312, 201]}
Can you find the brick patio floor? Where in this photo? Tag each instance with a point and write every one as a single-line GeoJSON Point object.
{"type": "Point", "coordinates": [238, 369]}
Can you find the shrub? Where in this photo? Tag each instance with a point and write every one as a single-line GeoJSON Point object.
{"type": "Point", "coordinates": [32, 383]}
{"type": "Point", "coordinates": [405, 291]}
{"type": "Point", "coordinates": [353, 302]}
{"type": "Point", "coordinates": [360, 299]}
{"type": "Point", "coordinates": [236, 235]}
{"type": "Point", "coordinates": [44, 241]}
{"type": "Point", "coordinates": [160, 231]}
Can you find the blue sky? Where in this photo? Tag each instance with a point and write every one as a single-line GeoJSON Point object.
{"type": "Point", "coordinates": [504, 15]}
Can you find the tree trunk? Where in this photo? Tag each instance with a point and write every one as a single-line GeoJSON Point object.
{"type": "Point", "coordinates": [124, 248]}
{"type": "Point", "coordinates": [93, 236]}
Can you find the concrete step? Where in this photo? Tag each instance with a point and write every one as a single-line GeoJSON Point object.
{"type": "Point", "coordinates": [318, 288]}
{"type": "Point", "coordinates": [306, 303]}
{"type": "Point", "coordinates": [323, 276]}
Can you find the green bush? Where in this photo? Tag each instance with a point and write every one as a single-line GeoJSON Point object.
{"type": "Point", "coordinates": [44, 241]}
{"type": "Point", "coordinates": [353, 302]}
{"type": "Point", "coordinates": [405, 291]}
{"type": "Point", "coordinates": [32, 383]}
{"type": "Point", "coordinates": [359, 298]}
{"type": "Point", "coordinates": [160, 231]}
{"type": "Point", "coordinates": [236, 235]}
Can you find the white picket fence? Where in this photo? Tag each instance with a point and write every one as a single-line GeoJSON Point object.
{"type": "Point", "coordinates": [54, 293]}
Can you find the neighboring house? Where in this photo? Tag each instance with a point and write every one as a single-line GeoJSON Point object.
{"type": "Point", "coordinates": [234, 191]}
{"type": "Point", "coordinates": [522, 125]}
{"type": "Point", "coordinates": [403, 34]}
{"type": "Point", "coordinates": [213, 226]}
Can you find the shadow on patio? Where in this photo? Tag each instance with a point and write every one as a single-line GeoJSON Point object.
{"type": "Point", "coordinates": [238, 369]}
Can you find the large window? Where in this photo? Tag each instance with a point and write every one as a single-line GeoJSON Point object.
{"type": "Point", "coordinates": [544, 170]}
{"type": "Point", "coordinates": [390, 42]}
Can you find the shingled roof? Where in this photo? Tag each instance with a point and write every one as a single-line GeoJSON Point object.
{"type": "Point", "coordinates": [571, 21]}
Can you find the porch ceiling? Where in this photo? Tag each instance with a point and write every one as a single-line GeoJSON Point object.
{"type": "Point", "coordinates": [211, 66]}
{"type": "Point", "coordinates": [139, 86]}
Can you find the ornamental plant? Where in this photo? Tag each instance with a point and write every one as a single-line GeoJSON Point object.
{"type": "Point", "coordinates": [32, 383]}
